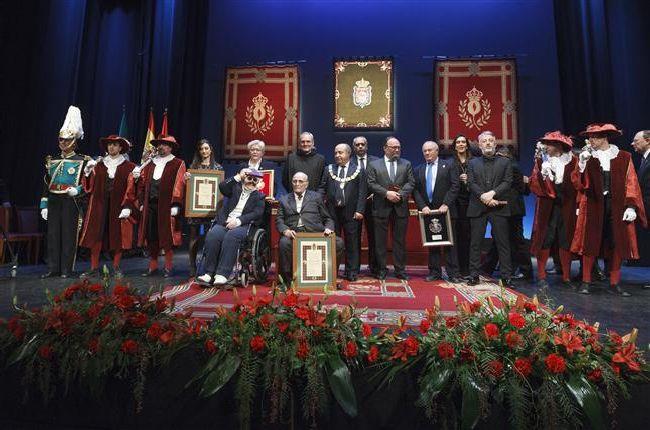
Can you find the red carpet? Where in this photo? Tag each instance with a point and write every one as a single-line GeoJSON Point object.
{"type": "Point", "coordinates": [385, 301]}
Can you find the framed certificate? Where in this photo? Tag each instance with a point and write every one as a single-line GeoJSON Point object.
{"type": "Point", "coordinates": [436, 229]}
{"type": "Point", "coordinates": [202, 196]}
{"type": "Point", "coordinates": [314, 261]}
{"type": "Point", "coordinates": [269, 181]}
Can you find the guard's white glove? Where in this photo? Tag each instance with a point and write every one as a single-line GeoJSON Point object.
{"type": "Point", "coordinates": [584, 156]}
{"type": "Point", "coordinates": [629, 215]}
{"type": "Point", "coordinates": [44, 214]}
{"type": "Point", "coordinates": [125, 213]}
{"type": "Point", "coordinates": [90, 166]}
{"type": "Point", "coordinates": [174, 211]}
{"type": "Point", "coordinates": [72, 191]}
{"type": "Point", "coordinates": [546, 171]}
{"type": "Point", "coordinates": [136, 172]}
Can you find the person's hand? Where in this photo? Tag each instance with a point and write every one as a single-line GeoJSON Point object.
{"type": "Point", "coordinates": [584, 156]}
{"type": "Point", "coordinates": [136, 172]}
{"type": "Point", "coordinates": [358, 216]}
{"type": "Point", "coordinates": [233, 223]}
{"type": "Point", "coordinates": [463, 178]}
{"type": "Point", "coordinates": [289, 233]}
{"type": "Point", "coordinates": [629, 215]}
{"type": "Point", "coordinates": [124, 213]}
{"type": "Point", "coordinates": [187, 175]}
{"type": "Point", "coordinates": [260, 185]}
{"type": "Point", "coordinates": [393, 196]}
{"type": "Point", "coordinates": [493, 203]}
{"type": "Point", "coordinates": [90, 166]}
{"type": "Point", "coordinates": [44, 214]}
{"type": "Point", "coordinates": [327, 232]}
{"type": "Point", "coordinates": [72, 191]}
{"type": "Point", "coordinates": [426, 210]}
{"type": "Point", "coordinates": [526, 179]}
{"type": "Point", "coordinates": [486, 197]}
{"type": "Point", "coordinates": [174, 211]}
{"type": "Point", "coordinates": [239, 176]}
{"type": "Point", "coordinates": [443, 208]}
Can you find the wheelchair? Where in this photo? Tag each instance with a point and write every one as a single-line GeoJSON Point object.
{"type": "Point", "coordinates": [253, 259]}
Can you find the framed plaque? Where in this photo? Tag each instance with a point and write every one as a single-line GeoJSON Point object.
{"type": "Point", "coordinates": [202, 196]}
{"type": "Point", "coordinates": [269, 181]}
{"type": "Point", "coordinates": [436, 229]}
{"type": "Point", "coordinates": [314, 261]}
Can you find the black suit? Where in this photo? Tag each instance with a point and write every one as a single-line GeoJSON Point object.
{"type": "Point", "coordinates": [315, 219]}
{"type": "Point", "coordinates": [445, 191]}
{"type": "Point", "coordinates": [367, 216]}
{"type": "Point", "coordinates": [644, 235]}
{"type": "Point", "coordinates": [385, 211]}
{"type": "Point", "coordinates": [489, 174]}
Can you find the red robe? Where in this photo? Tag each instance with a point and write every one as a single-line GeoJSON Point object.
{"type": "Point", "coordinates": [120, 231]}
{"type": "Point", "coordinates": [625, 192]}
{"type": "Point", "coordinates": [171, 193]}
{"type": "Point", "coordinates": [544, 189]}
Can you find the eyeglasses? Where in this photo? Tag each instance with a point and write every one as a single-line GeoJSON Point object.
{"type": "Point", "coordinates": [393, 147]}
{"type": "Point", "coordinates": [298, 181]}
{"type": "Point", "coordinates": [63, 139]}
{"type": "Point", "coordinates": [360, 144]}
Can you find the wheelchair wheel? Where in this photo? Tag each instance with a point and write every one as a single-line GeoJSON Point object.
{"type": "Point", "coordinates": [261, 256]}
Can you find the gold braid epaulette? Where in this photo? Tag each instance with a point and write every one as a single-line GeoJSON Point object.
{"type": "Point", "coordinates": [87, 157]}
{"type": "Point", "coordinates": [48, 160]}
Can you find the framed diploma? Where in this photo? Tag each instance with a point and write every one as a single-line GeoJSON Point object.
{"type": "Point", "coordinates": [268, 180]}
{"type": "Point", "coordinates": [202, 196]}
{"type": "Point", "coordinates": [314, 261]}
{"type": "Point", "coordinates": [436, 229]}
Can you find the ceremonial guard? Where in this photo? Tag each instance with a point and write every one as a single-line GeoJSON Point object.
{"type": "Point", "coordinates": [60, 205]}
{"type": "Point", "coordinates": [107, 226]}
{"type": "Point", "coordinates": [609, 203]}
{"type": "Point", "coordinates": [159, 196]}
{"type": "Point", "coordinates": [555, 209]}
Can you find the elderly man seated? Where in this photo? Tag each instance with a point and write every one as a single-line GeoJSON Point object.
{"type": "Point", "coordinates": [245, 206]}
{"type": "Point", "coordinates": [302, 210]}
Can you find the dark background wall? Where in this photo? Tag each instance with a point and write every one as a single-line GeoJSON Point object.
{"type": "Point", "coordinates": [578, 61]}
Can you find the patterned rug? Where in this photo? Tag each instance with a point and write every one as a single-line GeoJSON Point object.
{"type": "Point", "coordinates": [384, 302]}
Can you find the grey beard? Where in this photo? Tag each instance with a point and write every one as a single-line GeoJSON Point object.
{"type": "Point", "coordinates": [488, 152]}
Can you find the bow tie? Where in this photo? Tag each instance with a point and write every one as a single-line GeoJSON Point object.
{"type": "Point", "coordinates": [299, 196]}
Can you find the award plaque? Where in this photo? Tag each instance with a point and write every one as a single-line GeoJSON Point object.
{"type": "Point", "coordinates": [202, 196]}
{"type": "Point", "coordinates": [268, 181]}
{"type": "Point", "coordinates": [436, 229]}
{"type": "Point", "coordinates": [314, 261]}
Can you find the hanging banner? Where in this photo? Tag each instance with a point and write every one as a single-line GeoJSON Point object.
{"type": "Point", "coordinates": [261, 103]}
{"type": "Point", "coordinates": [475, 96]}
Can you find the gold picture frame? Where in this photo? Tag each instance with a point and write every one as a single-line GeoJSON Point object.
{"type": "Point", "coordinates": [202, 196]}
{"type": "Point", "coordinates": [436, 229]}
{"type": "Point", "coordinates": [314, 261]}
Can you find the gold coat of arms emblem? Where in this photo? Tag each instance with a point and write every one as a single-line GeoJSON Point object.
{"type": "Point", "coordinates": [434, 226]}
{"type": "Point", "coordinates": [474, 110]}
{"type": "Point", "coordinates": [362, 93]}
{"type": "Point", "coordinates": [259, 116]}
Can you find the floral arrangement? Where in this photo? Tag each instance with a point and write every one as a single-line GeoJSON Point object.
{"type": "Point", "coordinates": [546, 368]}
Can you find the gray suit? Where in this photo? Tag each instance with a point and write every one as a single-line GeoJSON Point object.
{"type": "Point", "coordinates": [315, 219]}
{"type": "Point", "coordinates": [385, 211]}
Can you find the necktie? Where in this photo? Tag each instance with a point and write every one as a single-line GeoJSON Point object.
{"type": "Point", "coordinates": [340, 198]}
{"type": "Point", "coordinates": [644, 161]}
{"type": "Point", "coordinates": [429, 182]}
{"type": "Point", "coordinates": [362, 160]}
{"type": "Point", "coordinates": [392, 170]}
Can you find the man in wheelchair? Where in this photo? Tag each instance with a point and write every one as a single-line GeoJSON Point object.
{"type": "Point", "coordinates": [244, 208]}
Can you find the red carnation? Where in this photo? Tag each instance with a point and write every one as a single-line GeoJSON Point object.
{"type": "Point", "coordinates": [513, 339]}
{"type": "Point", "coordinates": [411, 345]}
{"type": "Point", "coordinates": [495, 368]}
{"type": "Point", "coordinates": [120, 290]}
{"type": "Point", "coordinates": [595, 375]}
{"type": "Point", "coordinates": [282, 326]}
{"type": "Point", "coordinates": [366, 330]}
{"type": "Point", "coordinates": [451, 322]}
{"type": "Point", "coordinates": [94, 310]}
{"type": "Point", "coordinates": [425, 324]}
{"type": "Point", "coordinates": [96, 288]}
{"type": "Point", "coordinates": [491, 330]}
{"type": "Point", "coordinates": [46, 352]}
{"type": "Point", "coordinates": [166, 337]}
{"type": "Point", "coordinates": [125, 302]}
{"type": "Point", "coordinates": [266, 320]}
{"type": "Point", "coordinates": [350, 349]}
{"type": "Point", "coordinates": [302, 352]}
{"type": "Point", "coordinates": [154, 331]}
{"type": "Point", "coordinates": [530, 307]}
{"type": "Point", "coordinates": [302, 313]}
{"type": "Point", "coordinates": [138, 319]}
{"type": "Point", "coordinates": [68, 293]}
{"type": "Point", "coordinates": [523, 366]}
{"type": "Point", "coordinates": [373, 354]}
{"type": "Point", "coordinates": [446, 350]}
{"type": "Point", "coordinates": [257, 343]}
{"type": "Point", "coordinates": [516, 319]}
{"type": "Point", "coordinates": [290, 300]}
{"type": "Point", "coordinates": [129, 346]}
{"type": "Point", "coordinates": [210, 347]}
{"type": "Point", "coordinates": [555, 363]}
{"type": "Point", "coordinates": [93, 346]}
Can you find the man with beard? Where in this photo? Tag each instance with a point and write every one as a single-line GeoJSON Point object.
{"type": "Point", "coordinates": [305, 160]}
{"type": "Point", "coordinates": [106, 226]}
{"type": "Point", "coordinates": [555, 209]}
{"type": "Point", "coordinates": [362, 159]}
{"type": "Point", "coordinates": [490, 179]}
{"type": "Point", "coordinates": [609, 204]}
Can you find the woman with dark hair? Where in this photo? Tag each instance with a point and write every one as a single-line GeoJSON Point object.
{"type": "Point", "coordinates": [461, 156]}
{"type": "Point", "coordinates": [204, 160]}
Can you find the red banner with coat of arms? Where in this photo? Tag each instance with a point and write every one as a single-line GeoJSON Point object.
{"type": "Point", "coordinates": [475, 96]}
{"type": "Point", "coordinates": [261, 103]}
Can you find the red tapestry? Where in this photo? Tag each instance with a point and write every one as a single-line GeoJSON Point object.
{"type": "Point", "coordinates": [261, 103]}
{"type": "Point", "coordinates": [475, 96]}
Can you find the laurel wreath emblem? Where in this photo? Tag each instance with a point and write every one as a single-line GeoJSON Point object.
{"type": "Point", "coordinates": [257, 126]}
{"type": "Point", "coordinates": [472, 121]}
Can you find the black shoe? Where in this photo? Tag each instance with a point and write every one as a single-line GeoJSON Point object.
{"type": "Point", "coordinates": [455, 280]}
{"type": "Point", "coordinates": [401, 275]}
{"type": "Point", "coordinates": [89, 274]}
{"type": "Point", "coordinates": [567, 284]}
{"type": "Point", "coordinates": [50, 275]}
{"type": "Point", "coordinates": [150, 273]}
{"type": "Point", "coordinates": [168, 273]}
{"type": "Point", "coordinates": [473, 280]}
{"type": "Point", "coordinates": [381, 275]}
{"type": "Point", "coordinates": [66, 275]}
{"type": "Point", "coordinates": [617, 290]}
{"type": "Point", "coordinates": [432, 277]}
{"type": "Point", "coordinates": [585, 288]}
{"type": "Point", "coordinates": [352, 277]}
{"type": "Point", "coordinates": [518, 276]}
{"type": "Point", "coordinates": [542, 283]}
{"type": "Point", "coordinates": [599, 274]}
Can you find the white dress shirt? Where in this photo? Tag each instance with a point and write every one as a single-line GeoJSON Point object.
{"type": "Point", "coordinates": [160, 163]}
{"type": "Point", "coordinates": [112, 163]}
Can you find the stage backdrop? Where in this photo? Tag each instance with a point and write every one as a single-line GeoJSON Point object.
{"type": "Point", "coordinates": [261, 103]}
{"type": "Point", "coordinates": [473, 96]}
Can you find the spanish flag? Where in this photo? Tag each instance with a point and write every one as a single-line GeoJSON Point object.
{"type": "Point", "coordinates": [164, 131]}
{"type": "Point", "coordinates": [148, 147]}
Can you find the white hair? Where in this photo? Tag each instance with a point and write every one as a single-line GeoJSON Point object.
{"type": "Point", "coordinates": [485, 133]}
{"type": "Point", "coordinates": [344, 145]}
{"type": "Point", "coordinates": [257, 143]}
{"type": "Point", "coordinates": [306, 133]}
{"type": "Point", "coordinates": [302, 175]}
{"type": "Point", "coordinates": [435, 145]}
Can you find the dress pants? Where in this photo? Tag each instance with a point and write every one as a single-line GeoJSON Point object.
{"type": "Point", "coordinates": [350, 228]}
{"type": "Point", "coordinates": [500, 233]}
{"type": "Point", "coordinates": [221, 247]}
{"type": "Point", "coordinates": [62, 232]}
{"type": "Point", "coordinates": [369, 220]}
{"type": "Point", "coordinates": [462, 239]}
{"type": "Point", "coordinates": [400, 224]}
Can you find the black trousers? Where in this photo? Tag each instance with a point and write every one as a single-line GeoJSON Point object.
{"type": "Point", "coordinates": [370, 234]}
{"type": "Point", "coordinates": [519, 249]}
{"type": "Point", "coordinates": [62, 232]}
{"type": "Point", "coordinates": [285, 251]}
{"type": "Point", "coordinates": [500, 233]}
{"type": "Point", "coordinates": [462, 239]}
{"type": "Point", "coordinates": [350, 228]}
{"type": "Point", "coordinates": [400, 225]}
